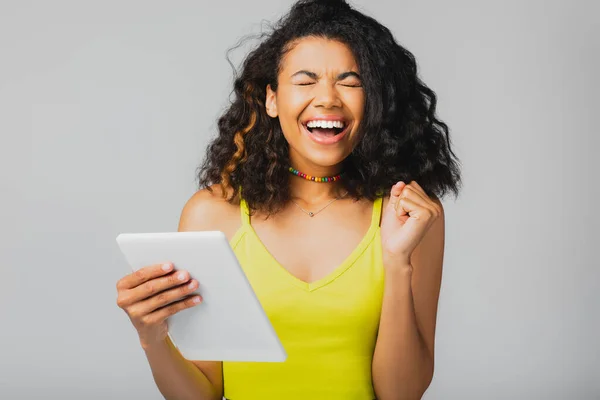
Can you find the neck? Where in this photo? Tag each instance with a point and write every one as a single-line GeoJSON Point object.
{"type": "Point", "coordinates": [310, 192]}
{"type": "Point", "coordinates": [313, 192]}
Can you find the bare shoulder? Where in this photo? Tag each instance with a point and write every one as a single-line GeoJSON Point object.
{"type": "Point", "coordinates": [208, 210]}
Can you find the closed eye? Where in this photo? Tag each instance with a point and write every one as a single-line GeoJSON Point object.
{"type": "Point", "coordinates": [350, 82]}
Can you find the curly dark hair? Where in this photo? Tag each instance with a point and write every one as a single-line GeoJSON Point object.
{"type": "Point", "coordinates": [401, 137]}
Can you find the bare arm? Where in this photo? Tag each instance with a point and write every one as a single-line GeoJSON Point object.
{"type": "Point", "coordinates": [403, 361]}
{"type": "Point", "coordinates": [178, 378]}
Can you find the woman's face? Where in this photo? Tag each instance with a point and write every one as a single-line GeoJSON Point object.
{"type": "Point", "coordinates": [319, 102]}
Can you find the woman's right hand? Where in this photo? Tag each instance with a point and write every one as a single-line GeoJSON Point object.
{"type": "Point", "coordinates": [153, 293]}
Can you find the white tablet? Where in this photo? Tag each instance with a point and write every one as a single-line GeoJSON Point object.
{"type": "Point", "coordinates": [230, 324]}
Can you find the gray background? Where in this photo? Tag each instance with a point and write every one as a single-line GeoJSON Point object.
{"type": "Point", "coordinates": [105, 111]}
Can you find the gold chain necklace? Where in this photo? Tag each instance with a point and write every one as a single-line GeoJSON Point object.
{"type": "Point", "coordinates": [312, 214]}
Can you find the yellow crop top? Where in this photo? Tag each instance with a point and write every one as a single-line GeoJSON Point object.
{"type": "Point", "coordinates": [328, 327]}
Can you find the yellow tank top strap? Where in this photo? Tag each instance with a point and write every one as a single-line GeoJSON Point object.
{"type": "Point", "coordinates": [243, 229]}
{"type": "Point", "coordinates": [377, 206]}
{"type": "Point", "coordinates": [244, 212]}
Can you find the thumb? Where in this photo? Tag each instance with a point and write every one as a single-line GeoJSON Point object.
{"type": "Point", "coordinates": [395, 194]}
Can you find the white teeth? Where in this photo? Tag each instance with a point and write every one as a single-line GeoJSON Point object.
{"type": "Point", "coordinates": [325, 124]}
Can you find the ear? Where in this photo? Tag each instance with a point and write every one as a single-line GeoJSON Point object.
{"type": "Point", "coordinates": [271, 102]}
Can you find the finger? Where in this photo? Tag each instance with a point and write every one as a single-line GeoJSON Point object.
{"type": "Point", "coordinates": [164, 298]}
{"type": "Point", "coordinates": [411, 192]}
{"type": "Point", "coordinates": [436, 207]}
{"type": "Point", "coordinates": [418, 187]}
{"type": "Point", "coordinates": [154, 286]}
{"type": "Point", "coordinates": [143, 275]}
{"type": "Point", "coordinates": [406, 206]}
{"type": "Point", "coordinates": [163, 313]}
{"type": "Point", "coordinates": [415, 209]}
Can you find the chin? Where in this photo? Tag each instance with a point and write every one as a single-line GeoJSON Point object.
{"type": "Point", "coordinates": [324, 157]}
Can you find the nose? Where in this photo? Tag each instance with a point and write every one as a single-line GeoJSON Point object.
{"type": "Point", "coordinates": [327, 96]}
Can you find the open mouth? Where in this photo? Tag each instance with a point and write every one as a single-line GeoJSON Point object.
{"type": "Point", "coordinates": [326, 131]}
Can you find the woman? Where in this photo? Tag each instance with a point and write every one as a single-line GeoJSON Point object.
{"type": "Point", "coordinates": [325, 177]}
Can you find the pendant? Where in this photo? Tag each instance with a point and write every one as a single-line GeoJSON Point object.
{"type": "Point", "coordinates": [311, 214]}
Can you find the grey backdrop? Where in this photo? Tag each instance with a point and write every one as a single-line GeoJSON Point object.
{"type": "Point", "coordinates": [105, 111]}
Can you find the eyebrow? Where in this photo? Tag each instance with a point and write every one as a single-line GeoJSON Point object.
{"type": "Point", "coordinates": [340, 77]}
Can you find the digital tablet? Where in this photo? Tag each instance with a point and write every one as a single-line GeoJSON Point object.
{"type": "Point", "coordinates": [230, 323]}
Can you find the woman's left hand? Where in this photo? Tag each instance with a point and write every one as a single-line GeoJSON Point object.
{"type": "Point", "coordinates": [406, 218]}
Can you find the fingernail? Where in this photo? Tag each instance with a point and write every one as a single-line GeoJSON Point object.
{"type": "Point", "coordinates": [181, 276]}
{"type": "Point", "coordinates": [166, 267]}
{"type": "Point", "coordinates": [196, 300]}
{"type": "Point", "coordinates": [192, 284]}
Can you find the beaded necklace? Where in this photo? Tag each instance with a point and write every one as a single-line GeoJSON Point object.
{"type": "Point", "coordinates": [316, 179]}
